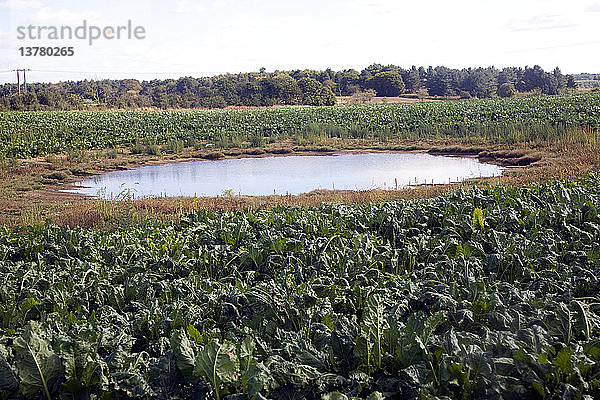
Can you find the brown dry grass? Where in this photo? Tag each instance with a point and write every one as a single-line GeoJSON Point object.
{"type": "Point", "coordinates": [29, 188]}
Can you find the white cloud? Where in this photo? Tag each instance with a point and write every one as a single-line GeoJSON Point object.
{"type": "Point", "coordinates": [62, 16]}
{"type": "Point", "coordinates": [378, 6]}
{"type": "Point", "coordinates": [20, 4]}
{"type": "Point", "coordinates": [540, 22]}
{"type": "Point", "coordinates": [6, 39]}
{"type": "Point", "coordinates": [186, 6]}
{"type": "Point", "coordinates": [594, 8]}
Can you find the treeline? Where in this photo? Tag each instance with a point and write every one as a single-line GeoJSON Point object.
{"type": "Point", "coordinates": [302, 87]}
{"type": "Point", "coordinates": [586, 80]}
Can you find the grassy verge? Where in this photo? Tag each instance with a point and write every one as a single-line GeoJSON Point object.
{"type": "Point", "coordinates": [29, 189]}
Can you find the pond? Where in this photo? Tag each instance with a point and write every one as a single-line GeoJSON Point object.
{"type": "Point", "coordinates": [285, 175]}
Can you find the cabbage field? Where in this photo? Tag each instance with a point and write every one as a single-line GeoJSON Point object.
{"type": "Point", "coordinates": [488, 293]}
{"type": "Point", "coordinates": [31, 134]}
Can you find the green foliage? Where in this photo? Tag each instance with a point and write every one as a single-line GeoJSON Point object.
{"type": "Point", "coordinates": [153, 149]}
{"type": "Point", "coordinates": [507, 90]}
{"type": "Point", "coordinates": [486, 293]}
{"type": "Point", "coordinates": [31, 134]}
{"type": "Point", "coordinates": [478, 218]}
{"type": "Point", "coordinates": [111, 153]}
{"type": "Point", "coordinates": [36, 362]}
{"type": "Point", "coordinates": [282, 87]}
{"type": "Point", "coordinates": [138, 147]}
{"type": "Point", "coordinates": [388, 83]}
{"type": "Point", "coordinates": [173, 146]}
{"type": "Point", "coordinates": [217, 363]}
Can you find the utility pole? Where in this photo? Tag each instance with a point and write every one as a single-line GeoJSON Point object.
{"type": "Point", "coordinates": [19, 79]}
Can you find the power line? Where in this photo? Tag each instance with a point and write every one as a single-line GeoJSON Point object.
{"type": "Point", "coordinates": [132, 72]}
{"type": "Point", "coordinates": [24, 71]}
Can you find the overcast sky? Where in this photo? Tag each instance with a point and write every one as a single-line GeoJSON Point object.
{"type": "Point", "coordinates": [207, 37]}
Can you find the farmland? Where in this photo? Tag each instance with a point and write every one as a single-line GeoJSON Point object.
{"type": "Point", "coordinates": [32, 134]}
{"type": "Point", "coordinates": [486, 290]}
{"type": "Point", "coordinates": [484, 293]}
{"type": "Point", "coordinates": [40, 152]}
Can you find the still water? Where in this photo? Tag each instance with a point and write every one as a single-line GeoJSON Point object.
{"type": "Point", "coordinates": [286, 174]}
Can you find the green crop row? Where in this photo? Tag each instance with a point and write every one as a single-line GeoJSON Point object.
{"type": "Point", "coordinates": [487, 293]}
{"type": "Point", "coordinates": [28, 134]}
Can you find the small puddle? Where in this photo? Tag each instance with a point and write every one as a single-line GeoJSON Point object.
{"type": "Point", "coordinates": [285, 175]}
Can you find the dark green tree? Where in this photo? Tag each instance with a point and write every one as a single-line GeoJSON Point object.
{"type": "Point", "coordinates": [311, 89]}
{"type": "Point", "coordinates": [561, 80]}
{"type": "Point", "coordinates": [439, 81]}
{"type": "Point", "coordinates": [507, 89]}
{"type": "Point", "coordinates": [411, 79]}
{"type": "Point", "coordinates": [387, 83]}
{"type": "Point", "coordinates": [251, 94]}
{"type": "Point", "coordinates": [225, 88]}
{"type": "Point", "coordinates": [347, 79]}
{"type": "Point", "coordinates": [282, 88]}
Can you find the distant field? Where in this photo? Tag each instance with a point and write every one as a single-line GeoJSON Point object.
{"type": "Point", "coordinates": [31, 134]}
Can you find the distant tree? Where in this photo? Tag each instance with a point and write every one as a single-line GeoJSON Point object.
{"type": "Point", "coordinates": [532, 78]}
{"type": "Point", "coordinates": [561, 80]}
{"type": "Point", "coordinates": [412, 80]}
{"type": "Point", "coordinates": [30, 101]}
{"type": "Point", "coordinates": [347, 79]}
{"type": "Point", "coordinates": [186, 85]}
{"type": "Point", "coordinates": [50, 98]}
{"type": "Point", "coordinates": [331, 85]}
{"type": "Point", "coordinates": [327, 96]}
{"type": "Point", "coordinates": [327, 75]}
{"type": "Point", "coordinates": [507, 89]}
{"type": "Point", "coordinates": [76, 101]}
{"type": "Point", "coordinates": [311, 89]}
{"type": "Point", "coordinates": [281, 88]}
{"type": "Point", "coordinates": [439, 81]}
{"type": "Point", "coordinates": [364, 77]}
{"type": "Point", "coordinates": [84, 89]}
{"type": "Point", "coordinates": [571, 84]}
{"type": "Point", "coordinates": [314, 93]}
{"type": "Point", "coordinates": [160, 98]}
{"type": "Point", "coordinates": [251, 94]}
{"type": "Point", "coordinates": [549, 84]}
{"type": "Point", "coordinates": [104, 92]}
{"type": "Point", "coordinates": [226, 88]}
{"type": "Point", "coordinates": [387, 83]}
{"type": "Point", "coordinates": [4, 103]}
{"type": "Point", "coordinates": [507, 75]}
{"type": "Point", "coordinates": [484, 83]}
{"type": "Point", "coordinates": [130, 85]}
{"type": "Point", "coordinates": [216, 101]}
{"type": "Point", "coordinates": [363, 96]}
{"type": "Point", "coordinates": [374, 69]}
{"type": "Point", "coordinates": [16, 103]}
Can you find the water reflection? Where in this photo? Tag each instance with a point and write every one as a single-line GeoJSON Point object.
{"type": "Point", "coordinates": [289, 174]}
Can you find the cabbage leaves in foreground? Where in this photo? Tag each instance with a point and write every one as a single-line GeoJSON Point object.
{"type": "Point", "coordinates": [487, 293]}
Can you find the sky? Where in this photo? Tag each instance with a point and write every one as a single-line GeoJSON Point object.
{"type": "Point", "coordinates": [209, 37]}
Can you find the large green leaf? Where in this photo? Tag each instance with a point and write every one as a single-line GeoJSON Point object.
{"type": "Point", "coordinates": [8, 380]}
{"type": "Point", "coordinates": [217, 363]}
{"type": "Point", "coordinates": [83, 366]}
{"type": "Point", "coordinates": [36, 362]}
{"type": "Point", "coordinates": [183, 349]}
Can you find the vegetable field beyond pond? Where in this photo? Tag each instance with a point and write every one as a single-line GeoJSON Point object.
{"type": "Point", "coordinates": [536, 119]}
